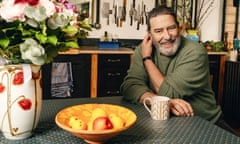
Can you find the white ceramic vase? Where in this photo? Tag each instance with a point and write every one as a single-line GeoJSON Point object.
{"type": "Point", "coordinates": [21, 100]}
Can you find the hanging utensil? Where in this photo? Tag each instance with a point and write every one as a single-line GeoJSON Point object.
{"type": "Point", "coordinates": [124, 10]}
{"type": "Point", "coordinates": [137, 16]}
{"type": "Point", "coordinates": [97, 24]}
{"type": "Point", "coordinates": [145, 13]}
{"type": "Point", "coordinates": [105, 11]}
{"type": "Point", "coordinates": [132, 12]}
{"type": "Point", "coordinates": [141, 15]}
{"type": "Point", "coordinates": [119, 17]}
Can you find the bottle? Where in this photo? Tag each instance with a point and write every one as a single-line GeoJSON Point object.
{"type": "Point", "coordinates": [105, 37]}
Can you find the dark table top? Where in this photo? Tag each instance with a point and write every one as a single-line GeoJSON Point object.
{"type": "Point", "coordinates": [176, 130]}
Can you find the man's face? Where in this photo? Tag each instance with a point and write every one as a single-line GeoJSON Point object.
{"type": "Point", "coordinates": [165, 34]}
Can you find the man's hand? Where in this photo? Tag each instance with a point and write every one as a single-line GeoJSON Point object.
{"type": "Point", "coordinates": [180, 107]}
{"type": "Point", "coordinates": [147, 45]}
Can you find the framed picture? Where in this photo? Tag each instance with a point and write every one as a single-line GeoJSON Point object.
{"type": "Point", "coordinates": [86, 9]}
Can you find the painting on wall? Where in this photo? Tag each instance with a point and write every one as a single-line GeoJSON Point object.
{"type": "Point", "coordinates": [85, 9]}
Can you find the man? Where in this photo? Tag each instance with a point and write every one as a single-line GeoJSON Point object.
{"type": "Point", "coordinates": [170, 65]}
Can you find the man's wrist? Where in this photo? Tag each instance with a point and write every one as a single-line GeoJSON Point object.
{"type": "Point", "coordinates": [146, 58]}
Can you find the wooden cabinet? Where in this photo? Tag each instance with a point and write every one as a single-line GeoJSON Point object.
{"type": "Point", "coordinates": [95, 72]}
{"type": "Point", "coordinates": [111, 71]}
{"type": "Point", "coordinates": [217, 68]}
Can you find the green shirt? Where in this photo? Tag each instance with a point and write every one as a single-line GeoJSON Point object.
{"type": "Point", "coordinates": [186, 77]}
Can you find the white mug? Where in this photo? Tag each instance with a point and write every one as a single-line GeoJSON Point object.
{"type": "Point", "coordinates": [159, 107]}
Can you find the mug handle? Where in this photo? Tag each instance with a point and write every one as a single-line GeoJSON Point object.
{"type": "Point", "coordinates": [145, 105]}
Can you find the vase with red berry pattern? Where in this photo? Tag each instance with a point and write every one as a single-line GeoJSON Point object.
{"type": "Point", "coordinates": [21, 100]}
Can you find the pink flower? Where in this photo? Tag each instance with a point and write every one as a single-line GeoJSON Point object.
{"type": "Point", "coordinates": [30, 2]}
{"type": "Point", "coordinates": [10, 11]}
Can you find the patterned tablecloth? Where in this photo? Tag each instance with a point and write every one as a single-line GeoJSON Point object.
{"type": "Point", "coordinates": [176, 130]}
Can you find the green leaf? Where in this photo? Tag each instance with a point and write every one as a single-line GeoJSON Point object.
{"type": "Point", "coordinates": [86, 26]}
{"type": "Point", "coordinates": [41, 38]}
{"type": "Point", "coordinates": [4, 42]}
{"type": "Point", "coordinates": [52, 40]}
{"type": "Point", "coordinates": [71, 30]}
{"type": "Point", "coordinates": [72, 44]}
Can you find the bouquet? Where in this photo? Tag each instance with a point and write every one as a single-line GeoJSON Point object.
{"type": "Point", "coordinates": [34, 31]}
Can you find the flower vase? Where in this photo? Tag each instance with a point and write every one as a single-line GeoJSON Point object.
{"type": "Point", "coordinates": [193, 35]}
{"type": "Point", "coordinates": [21, 100]}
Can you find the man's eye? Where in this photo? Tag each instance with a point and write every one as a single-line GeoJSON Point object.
{"type": "Point", "coordinates": [158, 31]}
{"type": "Point", "coordinates": [172, 28]}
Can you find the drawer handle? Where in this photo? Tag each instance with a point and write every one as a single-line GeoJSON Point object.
{"type": "Point", "coordinates": [113, 60]}
{"type": "Point", "coordinates": [113, 74]}
{"type": "Point", "coordinates": [113, 92]}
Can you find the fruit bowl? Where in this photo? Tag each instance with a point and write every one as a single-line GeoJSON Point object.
{"type": "Point", "coordinates": [92, 119]}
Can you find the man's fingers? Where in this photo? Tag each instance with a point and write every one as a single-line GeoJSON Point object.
{"type": "Point", "coordinates": [180, 107]}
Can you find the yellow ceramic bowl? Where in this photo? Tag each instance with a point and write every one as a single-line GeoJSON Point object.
{"type": "Point", "coordinates": [84, 112]}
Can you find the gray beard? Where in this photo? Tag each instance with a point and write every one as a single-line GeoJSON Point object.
{"type": "Point", "coordinates": [169, 51]}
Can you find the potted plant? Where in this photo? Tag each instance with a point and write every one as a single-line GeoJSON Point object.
{"type": "Point", "coordinates": [32, 32]}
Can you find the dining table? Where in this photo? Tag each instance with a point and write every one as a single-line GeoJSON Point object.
{"type": "Point", "coordinates": [175, 130]}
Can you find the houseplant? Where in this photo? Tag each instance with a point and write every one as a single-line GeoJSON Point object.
{"type": "Point", "coordinates": [32, 32]}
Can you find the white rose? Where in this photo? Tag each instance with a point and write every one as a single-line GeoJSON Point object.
{"type": "Point", "coordinates": [31, 50]}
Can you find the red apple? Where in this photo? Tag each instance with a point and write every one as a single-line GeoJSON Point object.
{"type": "Point", "coordinates": [102, 123]}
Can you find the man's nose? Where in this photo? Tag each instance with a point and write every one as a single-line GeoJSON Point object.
{"type": "Point", "coordinates": [166, 34]}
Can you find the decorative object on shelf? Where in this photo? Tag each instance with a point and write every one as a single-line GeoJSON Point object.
{"type": "Point", "coordinates": [193, 35]}
{"type": "Point", "coordinates": [21, 100]}
{"type": "Point", "coordinates": [191, 14]}
{"type": "Point", "coordinates": [216, 46]}
{"type": "Point", "coordinates": [31, 34]}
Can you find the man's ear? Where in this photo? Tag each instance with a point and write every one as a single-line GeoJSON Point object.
{"type": "Point", "coordinates": [150, 35]}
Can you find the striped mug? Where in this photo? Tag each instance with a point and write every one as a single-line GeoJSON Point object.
{"type": "Point", "coordinates": [158, 108]}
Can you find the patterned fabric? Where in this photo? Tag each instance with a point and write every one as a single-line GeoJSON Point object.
{"type": "Point", "coordinates": [62, 81]}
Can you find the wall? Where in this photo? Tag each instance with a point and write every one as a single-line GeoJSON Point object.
{"type": "Point", "coordinates": [126, 30]}
{"type": "Point", "coordinates": [210, 30]}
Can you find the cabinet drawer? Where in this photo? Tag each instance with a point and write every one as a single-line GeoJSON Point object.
{"type": "Point", "coordinates": [111, 71]}
{"type": "Point", "coordinates": [108, 73]}
{"type": "Point", "coordinates": [109, 92]}
{"type": "Point", "coordinates": [113, 59]}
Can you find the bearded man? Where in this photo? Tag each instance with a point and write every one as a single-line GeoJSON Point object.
{"type": "Point", "coordinates": [168, 64]}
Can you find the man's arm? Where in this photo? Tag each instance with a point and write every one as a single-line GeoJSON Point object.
{"type": "Point", "coordinates": [155, 75]}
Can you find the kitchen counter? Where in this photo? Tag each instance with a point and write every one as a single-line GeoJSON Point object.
{"type": "Point", "coordinates": [121, 50]}
{"type": "Point", "coordinates": [96, 50]}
